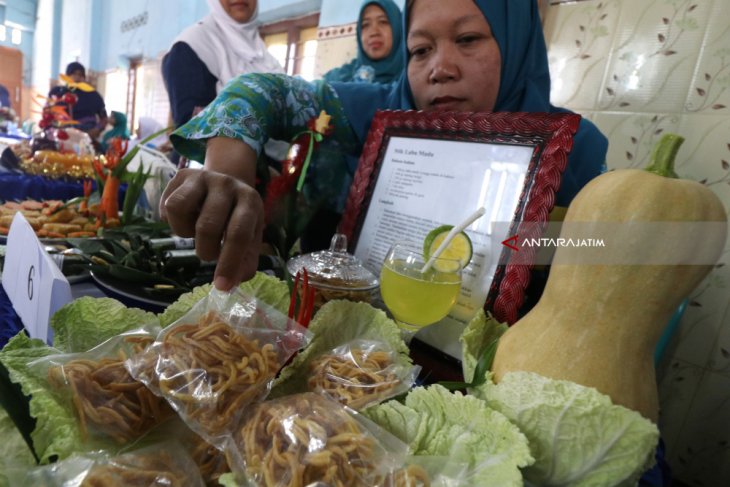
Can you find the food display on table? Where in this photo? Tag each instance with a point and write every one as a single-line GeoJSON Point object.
{"type": "Point", "coordinates": [451, 438]}
{"type": "Point", "coordinates": [54, 219]}
{"type": "Point", "coordinates": [276, 405]}
{"type": "Point", "coordinates": [57, 152]}
{"type": "Point", "coordinates": [144, 262]}
{"type": "Point", "coordinates": [59, 164]}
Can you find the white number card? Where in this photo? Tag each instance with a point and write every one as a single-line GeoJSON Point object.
{"type": "Point", "coordinates": [35, 285]}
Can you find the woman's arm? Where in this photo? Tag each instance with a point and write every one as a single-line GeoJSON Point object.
{"type": "Point", "coordinates": [255, 107]}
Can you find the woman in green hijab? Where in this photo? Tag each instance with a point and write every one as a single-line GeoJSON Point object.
{"type": "Point", "coordinates": [379, 53]}
{"type": "Point", "coordinates": [119, 129]}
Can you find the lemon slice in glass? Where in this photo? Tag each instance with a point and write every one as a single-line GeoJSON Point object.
{"type": "Point", "coordinates": [459, 249]}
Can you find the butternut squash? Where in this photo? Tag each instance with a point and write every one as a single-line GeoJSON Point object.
{"type": "Point", "coordinates": [597, 325]}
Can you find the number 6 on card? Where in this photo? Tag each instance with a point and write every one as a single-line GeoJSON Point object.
{"type": "Point", "coordinates": [33, 282]}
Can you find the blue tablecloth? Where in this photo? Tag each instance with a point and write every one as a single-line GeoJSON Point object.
{"type": "Point", "coordinates": [18, 187]}
{"type": "Point", "coordinates": [10, 323]}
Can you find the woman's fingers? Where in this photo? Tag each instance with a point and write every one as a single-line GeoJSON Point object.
{"type": "Point", "coordinates": [172, 186]}
{"type": "Point", "coordinates": [214, 217]}
{"type": "Point", "coordinates": [239, 255]}
{"type": "Point", "coordinates": [183, 200]}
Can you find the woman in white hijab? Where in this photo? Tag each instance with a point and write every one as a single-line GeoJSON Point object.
{"type": "Point", "coordinates": [219, 47]}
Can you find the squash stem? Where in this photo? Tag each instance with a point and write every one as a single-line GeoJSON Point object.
{"type": "Point", "coordinates": [663, 155]}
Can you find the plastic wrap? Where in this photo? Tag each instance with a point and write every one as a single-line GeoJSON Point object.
{"type": "Point", "coordinates": [161, 465]}
{"type": "Point", "coordinates": [218, 358]}
{"type": "Point", "coordinates": [360, 373]}
{"type": "Point", "coordinates": [108, 402]}
{"type": "Point", "coordinates": [309, 439]}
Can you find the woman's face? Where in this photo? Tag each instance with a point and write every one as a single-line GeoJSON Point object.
{"type": "Point", "coordinates": [454, 61]}
{"type": "Point", "coordinates": [239, 10]}
{"type": "Point", "coordinates": [375, 33]}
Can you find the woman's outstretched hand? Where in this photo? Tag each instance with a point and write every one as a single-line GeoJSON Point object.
{"type": "Point", "coordinates": [224, 214]}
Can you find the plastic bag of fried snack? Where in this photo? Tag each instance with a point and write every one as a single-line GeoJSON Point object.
{"type": "Point", "coordinates": [309, 439]}
{"type": "Point", "coordinates": [159, 465]}
{"type": "Point", "coordinates": [218, 358]}
{"type": "Point", "coordinates": [211, 461]}
{"type": "Point", "coordinates": [360, 373]}
{"type": "Point", "coordinates": [107, 401]}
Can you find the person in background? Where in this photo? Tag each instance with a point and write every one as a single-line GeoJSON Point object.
{"type": "Point", "coordinates": [219, 47]}
{"type": "Point", "coordinates": [89, 110]}
{"type": "Point", "coordinates": [4, 97]}
{"type": "Point", "coordinates": [462, 55]}
{"type": "Point", "coordinates": [118, 129]}
{"type": "Point", "coordinates": [147, 126]}
{"type": "Point", "coordinates": [379, 53]}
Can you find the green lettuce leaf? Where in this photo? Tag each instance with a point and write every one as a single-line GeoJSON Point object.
{"type": "Point", "coordinates": [337, 323]}
{"type": "Point", "coordinates": [268, 289]}
{"type": "Point", "coordinates": [86, 322]}
{"type": "Point", "coordinates": [14, 452]}
{"type": "Point", "coordinates": [228, 480]}
{"type": "Point", "coordinates": [436, 422]}
{"type": "Point", "coordinates": [478, 334]}
{"type": "Point", "coordinates": [57, 433]}
{"type": "Point", "coordinates": [578, 437]}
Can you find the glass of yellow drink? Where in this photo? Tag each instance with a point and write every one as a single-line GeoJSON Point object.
{"type": "Point", "coordinates": [417, 298]}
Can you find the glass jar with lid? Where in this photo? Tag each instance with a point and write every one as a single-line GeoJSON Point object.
{"type": "Point", "coordinates": [336, 274]}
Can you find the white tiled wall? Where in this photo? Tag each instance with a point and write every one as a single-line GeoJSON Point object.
{"type": "Point", "coordinates": [638, 69]}
{"type": "Point", "coordinates": [336, 45]}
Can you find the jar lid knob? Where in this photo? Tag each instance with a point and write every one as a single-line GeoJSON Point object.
{"type": "Point", "coordinates": [339, 243]}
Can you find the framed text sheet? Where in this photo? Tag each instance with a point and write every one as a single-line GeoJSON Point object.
{"type": "Point", "coordinates": [422, 170]}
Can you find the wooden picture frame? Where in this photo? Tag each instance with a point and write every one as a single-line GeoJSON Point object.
{"type": "Point", "coordinates": [538, 142]}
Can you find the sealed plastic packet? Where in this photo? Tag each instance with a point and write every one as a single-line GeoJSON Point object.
{"type": "Point", "coordinates": [430, 471]}
{"type": "Point", "coordinates": [361, 373]}
{"type": "Point", "coordinates": [108, 402]}
{"type": "Point", "coordinates": [218, 358]}
{"type": "Point", "coordinates": [211, 461]}
{"type": "Point", "coordinates": [309, 439]}
{"type": "Point", "coordinates": [159, 465]}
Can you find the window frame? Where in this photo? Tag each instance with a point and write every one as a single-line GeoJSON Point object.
{"type": "Point", "coordinates": [292, 27]}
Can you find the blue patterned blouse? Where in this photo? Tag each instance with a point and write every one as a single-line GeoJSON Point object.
{"type": "Point", "coordinates": [254, 107]}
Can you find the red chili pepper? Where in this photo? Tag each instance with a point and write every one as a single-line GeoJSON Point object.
{"type": "Point", "coordinates": [306, 305]}
{"type": "Point", "coordinates": [309, 307]}
{"type": "Point", "coordinates": [303, 303]}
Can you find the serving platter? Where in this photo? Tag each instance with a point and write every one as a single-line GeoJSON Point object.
{"type": "Point", "coordinates": [132, 293]}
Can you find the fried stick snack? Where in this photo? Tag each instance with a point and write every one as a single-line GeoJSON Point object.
{"type": "Point", "coordinates": [307, 439]}
{"type": "Point", "coordinates": [105, 397]}
{"type": "Point", "coordinates": [216, 360]}
{"type": "Point", "coordinates": [161, 464]}
{"type": "Point", "coordinates": [360, 374]}
{"type": "Point", "coordinates": [154, 470]}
